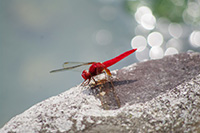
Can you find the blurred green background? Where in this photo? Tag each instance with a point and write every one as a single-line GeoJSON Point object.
{"type": "Point", "coordinates": [38, 36]}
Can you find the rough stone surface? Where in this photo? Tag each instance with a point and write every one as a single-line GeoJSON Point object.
{"type": "Point", "coordinates": [156, 96]}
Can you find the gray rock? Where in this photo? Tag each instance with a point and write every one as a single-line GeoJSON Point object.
{"type": "Point", "coordinates": [156, 96]}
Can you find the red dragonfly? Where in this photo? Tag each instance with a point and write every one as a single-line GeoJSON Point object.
{"type": "Point", "coordinates": [96, 67]}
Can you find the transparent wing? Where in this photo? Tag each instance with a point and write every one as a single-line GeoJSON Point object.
{"type": "Point", "coordinates": [73, 66]}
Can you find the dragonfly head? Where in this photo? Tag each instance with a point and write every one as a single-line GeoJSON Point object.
{"type": "Point", "coordinates": [86, 75]}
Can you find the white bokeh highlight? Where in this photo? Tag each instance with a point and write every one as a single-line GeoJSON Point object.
{"type": "Point", "coordinates": [171, 51]}
{"type": "Point", "coordinates": [175, 30]}
{"type": "Point", "coordinates": [145, 17]}
{"type": "Point", "coordinates": [155, 39]}
{"type": "Point", "coordinates": [139, 42]}
{"type": "Point", "coordinates": [156, 52]}
{"type": "Point", "coordinates": [195, 38]}
{"type": "Point", "coordinates": [143, 55]}
{"type": "Point", "coordinates": [148, 21]}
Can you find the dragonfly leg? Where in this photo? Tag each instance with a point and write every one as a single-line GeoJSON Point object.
{"type": "Point", "coordinates": [83, 83]}
{"type": "Point", "coordinates": [94, 80]}
{"type": "Point", "coordinates": [107, 71]}
{"type": "Point", "coordinates": [86, 82]}
{"type": "Point", "coordinates": [107, 77]}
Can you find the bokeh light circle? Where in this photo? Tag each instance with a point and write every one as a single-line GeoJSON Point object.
{"type": "Point", "coordinates": [171, 51]}
{"type": "Point", "coordinates": [103, 37]}
{"type": "Point", "coordinates": [155, 39]}
{"type": "Point", "coordinates": [139, 42]}
{"type": "Point", "coordinates": [140, 12]}
{"type": "Point", "coordinates": [143, 55]}
{"type": "Point", "coordinates": [175, 30]}
{"type": "Point", "coordinates": [175, 43]}
{"type": "Point", "coordinates": [195, 38]}
{"type": "Point", "coordinates": [156, 52]}
{"type": "Point", "coordinates": [148, 21]}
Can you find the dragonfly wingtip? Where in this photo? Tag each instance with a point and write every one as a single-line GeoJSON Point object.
{"type": "Point", "coordinates": [51, 71]}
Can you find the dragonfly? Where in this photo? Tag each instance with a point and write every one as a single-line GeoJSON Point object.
{"type": "Point", "coordinates": [96, 68]}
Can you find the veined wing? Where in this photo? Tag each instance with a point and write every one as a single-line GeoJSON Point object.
{"type": "Point", "coordinates": [72, 65]}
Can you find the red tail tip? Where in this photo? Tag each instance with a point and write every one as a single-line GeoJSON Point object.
{"type": "Point", "coordinates": [118, 58]}
{"type": "Point", "coordinates": [133, 50]}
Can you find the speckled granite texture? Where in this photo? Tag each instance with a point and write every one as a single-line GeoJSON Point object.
{"type": "Point", "coordinates": [156, 96]}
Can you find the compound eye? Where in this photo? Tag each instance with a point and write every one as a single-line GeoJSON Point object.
{"type": "Point", "coordinates": [85, 74]}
